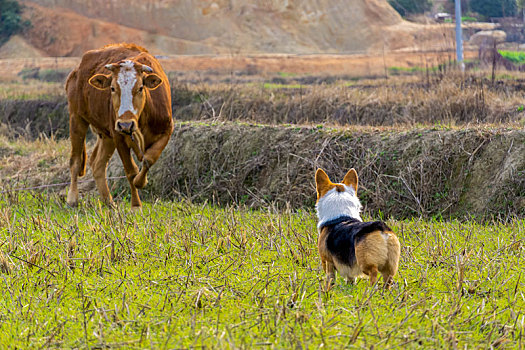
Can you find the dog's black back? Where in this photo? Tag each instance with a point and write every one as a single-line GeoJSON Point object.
{"type": "Point", "coordinates": [345, 232]}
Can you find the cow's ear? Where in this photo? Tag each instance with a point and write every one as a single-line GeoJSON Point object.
{"type": "Point", "coordinates": [152, 81]}
{"type": "Point", "coordinates": [100, 81]}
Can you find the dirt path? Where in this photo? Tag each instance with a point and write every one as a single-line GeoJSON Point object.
{"type": "Point", "coordinates": [351, 65]}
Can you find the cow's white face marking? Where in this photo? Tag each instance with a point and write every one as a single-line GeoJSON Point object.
{"type": "Point", "coordinates": [127, 77]}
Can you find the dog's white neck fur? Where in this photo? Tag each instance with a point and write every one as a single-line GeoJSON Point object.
{"type": "Point", "coordinates": [127, 77]}
{"type": "Point", "coordinates": [336, 204]}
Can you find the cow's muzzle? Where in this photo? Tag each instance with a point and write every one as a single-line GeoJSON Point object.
{"type": "Point", "coordinates": [125, 126]}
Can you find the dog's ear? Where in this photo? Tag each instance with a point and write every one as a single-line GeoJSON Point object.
{"type": "Point", "coordinates": [351, 179]}
{"type": "Point", "coordinates": [321, 181]}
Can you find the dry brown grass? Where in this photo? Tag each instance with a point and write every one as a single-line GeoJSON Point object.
{"type": "Point", "coordinates": [30, 90]}
{"type": "Point", "coordinates": [420, 172]}
{"type": "Point", "coordinates": [450, 100]}
{"type": "Point", "coordinates": [404, 172]}
{"type": "Point", "coordinates": [424, 145]}
{"type": "Point", "coordinates": [27, 163]}
{"type": "Point", "coordinates": [419, 99]}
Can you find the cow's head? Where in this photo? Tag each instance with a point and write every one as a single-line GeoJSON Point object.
{"type": "Point", "coordinates": [128, 81]}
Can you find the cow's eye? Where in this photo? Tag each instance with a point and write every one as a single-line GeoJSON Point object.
{"type": "Point", "coordinates": [112, 89]}
{"type": "Point", "coordinates": [141, 88]}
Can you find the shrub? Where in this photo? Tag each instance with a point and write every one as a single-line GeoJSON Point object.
{"type": "Point", "coordinates": [494, 8]}
{"type": "Point", "coordinates": [53, 75]}
{"type": "Point", "coordinates": [407, 7]}
{"type": "Point", "coordinates": [49, 75]}
{"type": "Point", "coordinates": [11, 21]}
{"type": "Point", "coordinates": [468, 19]}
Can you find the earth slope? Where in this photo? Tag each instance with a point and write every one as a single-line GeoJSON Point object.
{"type": "Point", "coordinates": [69, 27]}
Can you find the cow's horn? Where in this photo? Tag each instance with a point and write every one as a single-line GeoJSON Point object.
{"type": "Point", "coordinates": [109, 66]}
{"type": "Point", "coordinates": [146, 68]}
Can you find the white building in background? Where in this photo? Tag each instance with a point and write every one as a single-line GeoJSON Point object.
{"type": "Point", "coordinates": [442, 16]}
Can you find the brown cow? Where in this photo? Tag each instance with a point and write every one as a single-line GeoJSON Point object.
{"type": "Point", "coordinates": [129, 108]}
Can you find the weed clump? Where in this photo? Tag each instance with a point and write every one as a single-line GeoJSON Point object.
{"type": "Point", "coordinates": [5, 265]}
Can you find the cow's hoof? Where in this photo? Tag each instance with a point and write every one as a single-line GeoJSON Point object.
{"type": "Point", "coordinates": [136, 208]}
{"type": "Point", "coordinates": [72, 204]}
{"type": "Point", "coordinates": [140, 181]}
{"type": "Point", "coordinates": [72, 201]}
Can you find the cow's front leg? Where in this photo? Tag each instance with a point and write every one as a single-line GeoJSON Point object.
{"type": "Point", "coordinates": [130, 168]}
{"type": "Point", "coordinates": [99, 162]}
{"type": "Point", "coordinates": [151, 155]}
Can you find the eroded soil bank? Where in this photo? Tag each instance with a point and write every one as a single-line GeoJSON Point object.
{"type": "Point", "coordinates": [427, 172]}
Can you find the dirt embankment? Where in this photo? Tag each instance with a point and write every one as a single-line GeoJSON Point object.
{"type": "Point", "coordinates": [34, 118]}
{"type": "Point", "coordinates": [69, 28]}
{"type": "Point", "coordinates": [61, 32]}
{"type": "Point", "coordinates": [402, 173]}
{"type": "Point", "coordinates": [418, 173]}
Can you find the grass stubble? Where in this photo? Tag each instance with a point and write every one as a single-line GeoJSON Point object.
{"type": "Point", "coordinates": [180, 275]}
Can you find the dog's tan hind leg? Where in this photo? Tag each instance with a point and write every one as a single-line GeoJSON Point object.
{"type": "Point", "coordinates": [329, 269]}
{"type": "Point", "coordinates": [371, 271]}
{"type": "Point", "coordinates": [388, 279]}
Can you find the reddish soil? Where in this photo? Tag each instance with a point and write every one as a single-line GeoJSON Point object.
{"type": "Point", "coordinates": [167, 27]}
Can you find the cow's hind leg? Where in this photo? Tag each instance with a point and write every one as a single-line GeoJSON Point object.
{"type": "Point", "coordinates": [99, 161]}
{"type": "Point", "coordinates": [131, 170]}
{"type": "Point", "coordinates": [77, 162]}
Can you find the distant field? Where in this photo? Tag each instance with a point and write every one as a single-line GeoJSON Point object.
{"type": "Point", "coordinates": [411, 98]}
{"type": "Point", "coordinates": [179, 275]}
{"type": "Point", "coordinates": [353, 65]}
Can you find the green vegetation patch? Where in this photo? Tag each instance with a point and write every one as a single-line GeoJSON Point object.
{"type": "Point", "coordinates": [407, 7]}
{"type": "Point", "coordinates": [468, 19]}
{"type": "Point", "coordinates": [400, 70]}
{"type": "Point", "coordinates": [47, 75]}
{"type": "Point", "coordinates": [514, 56]}
{"type": "Point", "coordinates": [178, 275]}
{"type": "Point", "coordinates": [282, 86]}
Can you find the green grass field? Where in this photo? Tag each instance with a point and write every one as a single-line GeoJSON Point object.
{"type": "Point", "coordinates": [181, 275]}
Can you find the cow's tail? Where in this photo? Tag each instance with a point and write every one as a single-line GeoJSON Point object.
{"type": "Point", "coordinates": [83, 159]}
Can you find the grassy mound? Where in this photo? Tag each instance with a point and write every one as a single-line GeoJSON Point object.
{"type": "Point", "coordinates": [35, 117]}
{"type": "Point", "coordinates": [428, 172]}
{"type": "Point", "coordinates": [421, 172]}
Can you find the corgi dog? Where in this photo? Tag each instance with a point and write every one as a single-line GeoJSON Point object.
{"type": "Point", "coordinates": [346, 243]}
